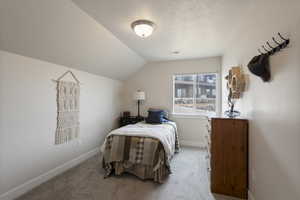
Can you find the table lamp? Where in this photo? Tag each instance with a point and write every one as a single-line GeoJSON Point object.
{"type": "Point", "coordinates": [139, 96]}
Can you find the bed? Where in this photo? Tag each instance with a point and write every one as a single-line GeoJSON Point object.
{"type": "Point", "coordinates": [142, 149]}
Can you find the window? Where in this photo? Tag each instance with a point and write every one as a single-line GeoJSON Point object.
{"type": "Point", "coordinates": [194, 94]}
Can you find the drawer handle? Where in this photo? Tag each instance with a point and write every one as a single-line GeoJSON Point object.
{"type": "Point", "coordinates": [208, 128]}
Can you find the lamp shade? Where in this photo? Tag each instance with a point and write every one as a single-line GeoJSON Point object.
{"type": "Point", "coordinates": [139, 95]}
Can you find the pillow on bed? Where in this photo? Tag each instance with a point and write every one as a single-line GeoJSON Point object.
{"type": "Point", "coordinates": [155, 117]}
{"type": "Point", "coordinates": [165, 112]}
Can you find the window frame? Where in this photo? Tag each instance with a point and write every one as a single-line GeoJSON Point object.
{"type": "Point", "coordinates": [204, 113]}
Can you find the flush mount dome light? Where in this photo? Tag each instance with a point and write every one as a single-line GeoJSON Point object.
{"type": "Point", "coordinates": [143, 28]}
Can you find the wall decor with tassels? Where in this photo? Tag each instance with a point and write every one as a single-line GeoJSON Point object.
{"type": "Point", "coordinates": [68, 95]}
{"type": "Point", "coordinates": [260, 65]}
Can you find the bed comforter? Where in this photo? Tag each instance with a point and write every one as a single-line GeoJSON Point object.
{"type": "Point", "coordinates": [142, 149]}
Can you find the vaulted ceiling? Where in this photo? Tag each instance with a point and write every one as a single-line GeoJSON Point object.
{"type": "Point", "coordinates": [195, 28]}
{"type": "Point", "coordinates": [95, 35]}
{"type": "Point", "coordinates": [58, 31]}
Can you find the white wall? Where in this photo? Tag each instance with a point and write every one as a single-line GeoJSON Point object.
{"type": "Point", "coordinates": [156, 80]}
{"type": "Point", "coordinates": [28, 117]}
{"type": "Point", "coordinates": [273, 108]}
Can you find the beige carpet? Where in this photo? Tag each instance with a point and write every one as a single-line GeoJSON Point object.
{"type": "Point", "coordinates": [189, 181]}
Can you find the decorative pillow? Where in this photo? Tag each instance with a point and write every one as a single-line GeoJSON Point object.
{"type": "Point", "coordinates": [155, 117]}
{"type": "Point", "coordinates": [165, 112]}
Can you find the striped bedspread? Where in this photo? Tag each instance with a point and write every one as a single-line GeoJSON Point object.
{"type": "Point", "coordinates": [141, 149]}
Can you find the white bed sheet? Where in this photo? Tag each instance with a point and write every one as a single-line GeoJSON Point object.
{"type": "Point", "coordinates": [165, 133]}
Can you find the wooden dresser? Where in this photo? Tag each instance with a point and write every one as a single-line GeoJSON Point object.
{"type": "Point", "coordinates": [227, 153]}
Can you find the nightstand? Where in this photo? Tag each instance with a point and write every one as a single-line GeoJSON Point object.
{"type": "Point", "coordinates": [130, 120]}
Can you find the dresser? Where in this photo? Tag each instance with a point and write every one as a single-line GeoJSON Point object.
{"type": "Point", "coordinates": [227, 156]}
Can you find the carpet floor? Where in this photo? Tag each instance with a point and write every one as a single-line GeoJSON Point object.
{"type": "Point", "coordinates": [189, 181]}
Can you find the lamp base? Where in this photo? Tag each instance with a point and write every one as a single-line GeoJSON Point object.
{"type": "Point", "coordinates": [139, 102]}
{"type": "Point", "coordinates": [232, 113]}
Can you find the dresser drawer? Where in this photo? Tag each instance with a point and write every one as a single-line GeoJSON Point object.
{"type": "Point", "coordinates": [207, 140]}
{"type": "Point", "coordinates": [208, 128]}
{"type": "Point", "coordinates": [229, 157]}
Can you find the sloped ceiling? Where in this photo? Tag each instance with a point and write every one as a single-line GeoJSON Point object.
{"type": "Point", "coordinates": [196, 28]}
{"type": "Point", "coordinates": [58, 31]}
{"type": "Point", "coordinates": [95, 35]}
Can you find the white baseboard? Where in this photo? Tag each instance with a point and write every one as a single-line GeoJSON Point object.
{"type": "Point", "coordinates": [250, 195]}
{"type": "Point", "coordinates": [27, 186]}
{"type": "Point", "coordinates": [189, 143]}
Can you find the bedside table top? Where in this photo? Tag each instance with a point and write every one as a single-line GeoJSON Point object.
{"type": "Point", "coordinates": [130, 120]}
{"type": "Point", "coordinates": [133, 117]}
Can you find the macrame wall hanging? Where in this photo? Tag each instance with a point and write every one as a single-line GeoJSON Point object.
{"type": "Point", "coordinates": [67, 109]}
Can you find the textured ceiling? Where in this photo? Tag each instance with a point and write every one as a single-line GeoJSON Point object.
{"type": "Point", "coordinates": [58, 31]}
{"type": "Point", "coordinates": [95, 35]}
{"type": "Point", "coordinates": [196, 28]}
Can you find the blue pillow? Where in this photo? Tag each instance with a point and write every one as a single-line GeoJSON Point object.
{"type": "Point", "coordinates": [165, 113]}
{"type": "Point", "coordinates": [155, 117]}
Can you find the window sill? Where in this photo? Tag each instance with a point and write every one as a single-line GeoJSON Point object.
{"type": "Point", "coordinates": [192, 116]}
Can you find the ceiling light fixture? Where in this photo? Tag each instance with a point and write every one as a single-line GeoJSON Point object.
{"type": "Point", "coordinates": [143, 28]}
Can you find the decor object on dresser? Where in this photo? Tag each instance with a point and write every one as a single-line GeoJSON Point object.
{"type": "Point", "coordinates": [236, 86]}
{"type": "Point", "coordinates": [139, 96]}
{"type": "Point", "coordinates": [260, 65]}
{"type": "Point", "coordinates": [67, 109]}
{"type": "Point", "coordinates": [229, 156]}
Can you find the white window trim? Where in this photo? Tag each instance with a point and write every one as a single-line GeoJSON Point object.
{"type": "Point", "coordinates": [203, 114]}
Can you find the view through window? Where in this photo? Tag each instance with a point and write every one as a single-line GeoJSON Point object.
{"type": "Point", "coordinates": [194, 93]}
